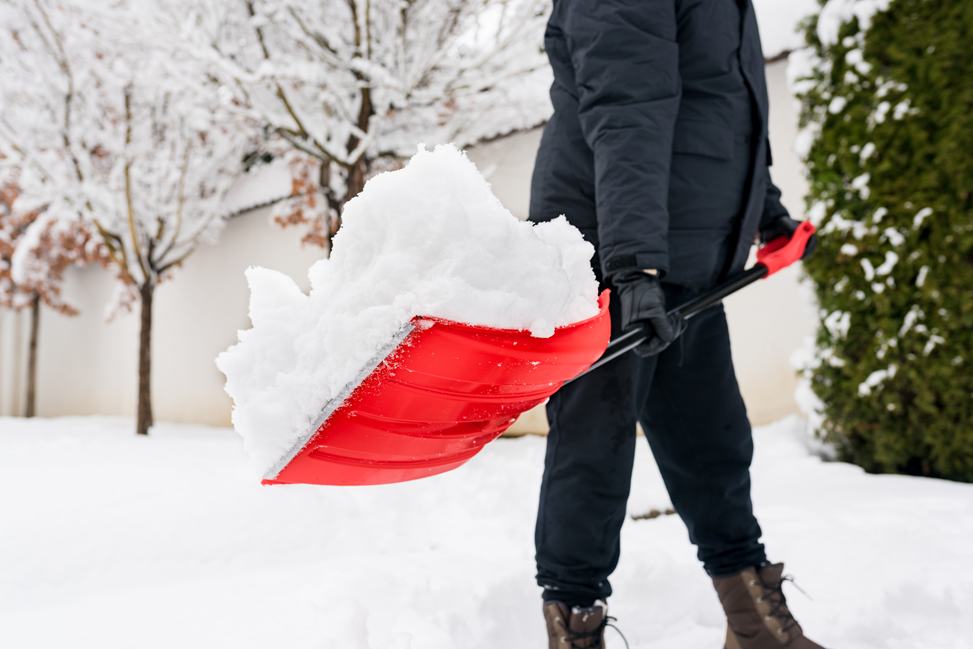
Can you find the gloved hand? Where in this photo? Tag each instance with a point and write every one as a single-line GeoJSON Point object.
{"type": "Point", "coordinates": [642, 300]}
{"type": "Point", "coordinates": [785, 226]}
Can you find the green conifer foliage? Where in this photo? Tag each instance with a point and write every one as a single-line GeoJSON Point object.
{"type": "Point", "coordinates": [891, 174]}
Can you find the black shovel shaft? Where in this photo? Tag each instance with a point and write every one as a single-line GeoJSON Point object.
{"type": "Point", "coordinates": [634, 337]}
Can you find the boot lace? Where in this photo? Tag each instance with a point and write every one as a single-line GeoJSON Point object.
{"type": "Point", "coordinates": [594, 636]}
{"type": "Point", "coordinates": [778, 602]}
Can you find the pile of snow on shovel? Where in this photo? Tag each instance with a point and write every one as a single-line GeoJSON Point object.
{"type": "Point", "coordinates": [430, 239]}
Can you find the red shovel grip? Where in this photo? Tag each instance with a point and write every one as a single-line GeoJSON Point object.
{"type": "Point", "coordinates": [782, 252]}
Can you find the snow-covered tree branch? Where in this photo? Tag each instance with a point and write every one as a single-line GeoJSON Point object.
{"type": "Point", "coordinates": [349, 86]}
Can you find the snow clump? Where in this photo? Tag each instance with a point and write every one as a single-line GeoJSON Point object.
{"type": "Point", "coordinates": [835, 13]}
{"type": "Point", "coordinates": [430, 239]}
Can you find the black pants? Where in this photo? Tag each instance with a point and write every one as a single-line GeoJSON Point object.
{"type": "Point", "coordinates": [689, 405]}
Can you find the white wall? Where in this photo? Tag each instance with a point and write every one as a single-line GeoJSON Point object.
{"type": "Point", "coordinates": [89, 367]}
{"type": "Point", "coordinates": [14, 335]}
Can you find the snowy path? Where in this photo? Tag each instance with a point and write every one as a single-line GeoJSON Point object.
{"type": "Point", "coordinates": [111, 541]}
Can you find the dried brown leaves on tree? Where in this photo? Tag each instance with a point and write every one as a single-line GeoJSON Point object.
{"type": "Point", "coordinates": [45, 254]}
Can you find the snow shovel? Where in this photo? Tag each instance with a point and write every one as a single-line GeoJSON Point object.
{"type": "Point", "coordinates": [433, 397]}
{"type": "Point", "coordinates": [774, 256]}
{"type": "Point", "coordinates": [440, 391]}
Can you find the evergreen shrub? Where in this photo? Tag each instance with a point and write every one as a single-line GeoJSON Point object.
{"type": "Point", "coordinates": [887, 112]}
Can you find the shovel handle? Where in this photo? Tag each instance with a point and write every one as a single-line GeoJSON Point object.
{"type": "Point", "coordinates": [774, 256]}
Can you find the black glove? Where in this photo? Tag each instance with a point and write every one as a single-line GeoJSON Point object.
{"type": "Point", "coordinates": [785, 226]}
{"type": "Point", "coordinates": [642, 300]}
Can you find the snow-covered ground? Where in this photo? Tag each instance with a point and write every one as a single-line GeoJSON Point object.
{"type": "Point", "coordinates": [114, 541]}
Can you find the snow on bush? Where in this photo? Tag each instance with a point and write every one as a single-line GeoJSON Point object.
{"type": "Point", "coordinates": [886, 88]}
{"type": "Point", "coordinates": [430, 239]}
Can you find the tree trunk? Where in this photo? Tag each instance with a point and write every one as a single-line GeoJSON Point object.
{"type": "Point", "coordinates": [355, 181]}
{"type": "Point", "coordinates": [35, 320]}
{"type": "Point", "coordinates": [145, 361]}
{"type": "Point", "coordinates": [356, 175]}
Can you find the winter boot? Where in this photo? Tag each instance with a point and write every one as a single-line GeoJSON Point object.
{"type": "Point", "coordinates": [756, 611]}
{"type": "Point", "coordinates": [576, 628]}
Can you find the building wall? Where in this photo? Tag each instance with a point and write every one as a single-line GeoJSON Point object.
{"type": "Point", "coordinates": [88, 366]}
{"type": "Point", "coordinates": [14, 336]}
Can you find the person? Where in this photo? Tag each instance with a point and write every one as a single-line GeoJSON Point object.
{"type": "Point", "coordinates": [658, 152]}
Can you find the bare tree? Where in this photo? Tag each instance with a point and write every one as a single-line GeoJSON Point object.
{"type": "Point", "coordinates": [112, 124]}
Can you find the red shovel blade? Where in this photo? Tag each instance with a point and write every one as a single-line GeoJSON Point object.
{"type": "Point", "coordinates": [444, 392]}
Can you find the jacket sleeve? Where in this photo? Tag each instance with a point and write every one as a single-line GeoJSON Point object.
{"type": "Point", "coordinates": [773, 208]}
{"type": "Point", "coordinates": [625, 61]}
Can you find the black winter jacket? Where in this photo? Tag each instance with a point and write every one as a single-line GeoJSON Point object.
{"type": "Point", "coordinates": [657, 150]}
